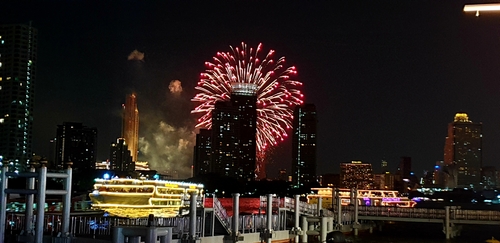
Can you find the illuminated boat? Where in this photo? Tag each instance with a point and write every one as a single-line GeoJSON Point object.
{"type": "Point", "coordinates": [365, 197]}
{"type": "Point", "coordinates": [138, 198]}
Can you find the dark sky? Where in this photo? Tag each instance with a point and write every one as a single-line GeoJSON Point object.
{"type": "Point", "coordinates": [386, 76]}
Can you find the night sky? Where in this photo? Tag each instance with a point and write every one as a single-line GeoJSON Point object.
{"type": "Point", "coordinates": [386, 76]}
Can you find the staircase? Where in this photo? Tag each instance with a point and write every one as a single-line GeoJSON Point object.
{"type": "Point", "coordinates": [221, 215]}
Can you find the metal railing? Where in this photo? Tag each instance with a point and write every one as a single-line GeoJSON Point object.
{"type": "Point", "coordinates": [221, 214]}
{"type": "Point", "coordinates": [426, 213]}
{"type": "Point", "coordinates": [99, 227]}
{"type": "Point", "coordinates": [289, 203]}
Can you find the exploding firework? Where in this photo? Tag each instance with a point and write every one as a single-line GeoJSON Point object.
{"type": "Point", "coordinates": [277, 93]}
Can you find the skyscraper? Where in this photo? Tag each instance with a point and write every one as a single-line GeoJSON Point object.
{"type": "Point", "coordinates": [202, 152]}
{"type": "Point", "coordinates": [76, 143]}
{"type": "Point", "coordinates": [234, 129]}
{"type": "Point", "coordinates": [18, 48]}
{"type": "Point", "coordinates": [463, 152]}
{"type": "Point", "coordinates": [304, 145]}
{"type": "Point", "coordinates": [404, 168]}
{"type": "Point", "coordinates": [356, 175]}
{"type": "Point", "coordinates": [120, 158]}
{"type": "Point", "coordinates": [130, 126]}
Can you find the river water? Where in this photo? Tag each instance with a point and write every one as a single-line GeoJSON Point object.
{"type": "Point", "coordinates": [425, 232]}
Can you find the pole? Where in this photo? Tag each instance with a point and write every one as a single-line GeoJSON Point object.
{"type": "Point", "coordinates": [339, 206]}
{"type": "Point", "coordinates": [213, 215]}
{"type": "Point", "coordinates": [356, 211]}
{"type": "Point", "coordinates": [447, 222]}
{"type": "Point", "coordinates": [351, 200]}
{"type": "Point", "coordinates": [324, 228]}
{"type": "Point", "coordinates": [40, 206]}
{"type": "Point", "coordinates": [30, 198]}
{"type": "Point", "coordinates": [3, 206]}
{"type": "Point", "coordinates": [304, 229]}
{"type": "Point", "coordinates": [236, 216]}
{"type": "Point", "coordinates": [297, 215]}
{"type": "Point", "coordinates": [67, 200]}
{"type": "Point", "coordinates": [269, 214]}
{"type": "Point", "coordinates": [320, 205]}
{"type": "Point", "coordinates": [192, 216]}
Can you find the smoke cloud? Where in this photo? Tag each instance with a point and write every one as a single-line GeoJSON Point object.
{"type": "Point", "coordinates": [175, 87]}
{"type": "Point", "coordinates": [136, 55]}
{"type": "Point", "coordinates": [168, 149]}
{"type": "Point", "coordinates": [167, 129]}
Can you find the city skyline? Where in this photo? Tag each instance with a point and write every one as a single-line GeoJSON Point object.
{"type": "Point", "coordinates": [385, 79]}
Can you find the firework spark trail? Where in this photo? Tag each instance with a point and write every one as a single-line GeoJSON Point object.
{"type": "Point", "coordinates": [276, 92]}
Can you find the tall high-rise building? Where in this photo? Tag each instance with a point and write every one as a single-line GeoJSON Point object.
{"type": "Point", "coordinates": [120, 158]}
{"type": "Point", "coordinates": [130, 126]}
{"type": "Point", "coordinates": [202, 152]}
{"type": "Point", "coordinates": [304, 145]}
{"type": "Point", "coordinates": [356, 175]}
{"type": "Point", "coordinates": [404, 168]}
{"type": "Point", "coordinates": [385, 166]}
{"type": "Point", "coordinates": [76, 143]}
{"type": "Point", "coordinates": [234, 129]}
{"type": "Point", "coordinates": [463, 152]}
{"type": "Point", "coordinates": [18, 48]}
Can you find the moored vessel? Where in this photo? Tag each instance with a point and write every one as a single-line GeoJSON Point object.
{"type": "Point", "coordinates": [139, 197]}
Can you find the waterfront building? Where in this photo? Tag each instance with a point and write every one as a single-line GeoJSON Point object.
{"type": "Point", "coordinates": [202, 152]}
{"type": "Point", "coordinates": [404, 168]}
{"type": "Point", "coordinates": [304, 145]}
{"type": "Point", "coordinates": [120, 158]}
{"type": "Point", "coordinates": [383, 181]}
{"type": "Point", "coordinates": [18, 58]}
{"type": "Point", "coordinates": [356, 174]}
{"type": "Point", "coordinates": [76, 143]}
{"type": "Point", "coordinates": [489, 177]}
{"type": "Point", "coordinates": [130, 125]}
{"type": "Point", "coordinates": [428, 179]}
{"type": "Point", "coordinates": [439, 174]}
{"type": "Point", "coordinates": [234, 129]}
{"type": "Point", "coordinates": [463, 152]}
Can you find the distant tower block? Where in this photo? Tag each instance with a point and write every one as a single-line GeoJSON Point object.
{"type": "Point", "coordinates": [130, 126]}
{"type": "Point", "coordinates": [463, 152]}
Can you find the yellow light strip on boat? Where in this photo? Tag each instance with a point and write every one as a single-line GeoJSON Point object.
{"type": "Point", "coordinates": [134, 206]}
{"type": "Point", "coordinates": [127, 194]}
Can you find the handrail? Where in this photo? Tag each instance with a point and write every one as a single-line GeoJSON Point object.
{"type": "Point", "coordinates": [221, 213]}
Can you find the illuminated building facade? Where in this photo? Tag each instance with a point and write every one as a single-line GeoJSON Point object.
{"type": "Point", "coordinates": [304, 145]}
{"type": "Point", "coordinates": [234, 129]}
{"type": "Point", "coordinates": [383, 181]}
{"type": "Point", "coordinates": [120, 158]}
{"type": "Point", "coordinates": [202, 152]}
{"type": "Point", "coordinates": [76, 143]}
{"type": "Point", "coordinates": [130, 126]}
{"type": "Point", "coordinates": [463, 152]}
{"type": "Point", "coordinates": [356, 175]}
{"type": "Point", "coordinates": [18, 57]}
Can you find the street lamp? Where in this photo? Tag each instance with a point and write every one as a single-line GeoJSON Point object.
{"type": "Point", "coordinates": [482, 7]}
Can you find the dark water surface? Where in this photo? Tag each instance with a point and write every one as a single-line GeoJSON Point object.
{"type": "Point", "coordinates": [426, 232]}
